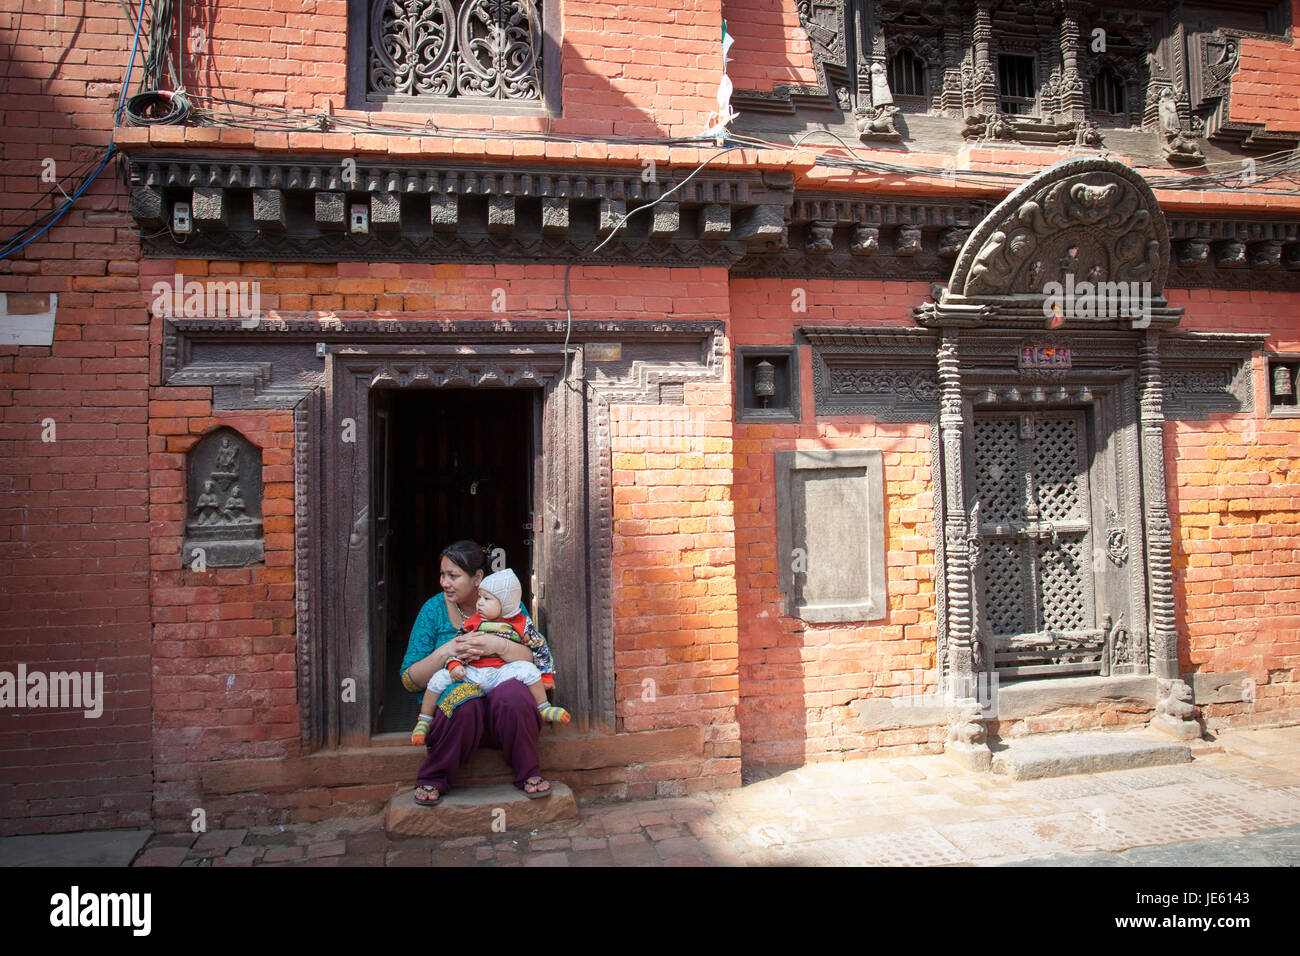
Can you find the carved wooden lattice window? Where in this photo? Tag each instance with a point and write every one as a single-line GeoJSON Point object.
{"type": "Point", "coordinates": [906, 74]}
{"type": "Point", "coordinates": [480, 49]}
{"type": "Point", "coordinates": [1017, 84]}
{"type": "Point", "coordinates": [1108, 93]}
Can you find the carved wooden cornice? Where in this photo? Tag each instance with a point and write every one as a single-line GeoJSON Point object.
{"type": "Point", "coordinates": [305, 208]}
{"type": "Point", "coordinates": [755, 224]}
{"type": "Point", "coordinates": [276, 363]}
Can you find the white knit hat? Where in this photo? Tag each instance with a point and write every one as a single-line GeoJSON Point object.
{"type": "Point", "coordinates": [505, 587]}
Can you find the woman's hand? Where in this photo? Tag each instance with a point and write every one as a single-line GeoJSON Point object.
{"type": "Point", "coordinates": [472, 646]}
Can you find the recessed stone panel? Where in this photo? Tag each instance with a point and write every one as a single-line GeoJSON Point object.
{"type": "Point", "coordinates": [831, 534]}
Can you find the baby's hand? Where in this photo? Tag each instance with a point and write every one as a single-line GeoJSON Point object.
{"type": "Point", "coordinates": [457, 672]}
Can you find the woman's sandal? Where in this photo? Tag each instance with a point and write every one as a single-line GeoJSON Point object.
{"type": "Point", "coordinates": [425, 801]}
{"type": "Point", "coordinates": [536, 793]}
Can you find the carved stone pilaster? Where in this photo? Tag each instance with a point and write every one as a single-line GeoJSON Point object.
{"type": "Point", "coordinates": [1072, 98]}
{"type": "Point", "coordinates": [1164, 636]}
{"type": "Point", "coordinates": [983, 83]}
{"type": "Point", "coordinates": [966, 734]}
{"type": "Point", "coordinates": [963, 662]}
{"type": "Point", "coordinates": [950, 98]}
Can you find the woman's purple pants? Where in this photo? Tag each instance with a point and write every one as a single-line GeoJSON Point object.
{"type": "Point", "coordinates": [506, 718]}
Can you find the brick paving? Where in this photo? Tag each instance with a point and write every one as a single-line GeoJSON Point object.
{"type": "Point", "coordinates": [1239, 800]}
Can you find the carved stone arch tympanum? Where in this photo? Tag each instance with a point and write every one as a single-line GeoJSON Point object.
{"type": "Point", "coordinates": [1089, 219]}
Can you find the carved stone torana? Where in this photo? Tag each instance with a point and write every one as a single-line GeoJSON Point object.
{"type": "Point", "coordinates": [1083, 231]}
{"type": "Point", "coordinates": [223, 526]}
{"type": "Point", "coordinates": [482, 48]}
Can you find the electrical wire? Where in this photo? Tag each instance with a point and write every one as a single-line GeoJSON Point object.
{"type": "Point", "coordinates": [568, 328]}
{"type": "Point", "coordinates": [126, 83]}
{"type": "Point", "coordinates": [33, 231]}
{"type": "Point", "coordinates": [9, 247]}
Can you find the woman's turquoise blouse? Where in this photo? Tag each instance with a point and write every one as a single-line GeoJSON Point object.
{"type": "Point", "coordinates": [433, 628]}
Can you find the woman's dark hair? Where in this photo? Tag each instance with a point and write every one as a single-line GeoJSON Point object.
{"type": "Point", "coordinates": [469, 556]}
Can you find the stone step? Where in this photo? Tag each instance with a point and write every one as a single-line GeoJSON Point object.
{"type": "Point", "coordinates": [466, 811]}
{"type": "Point", "coordinates": [1057, 755]}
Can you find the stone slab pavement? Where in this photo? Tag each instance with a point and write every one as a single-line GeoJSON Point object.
{"type": "Point", "coordinates": [1237, 803]}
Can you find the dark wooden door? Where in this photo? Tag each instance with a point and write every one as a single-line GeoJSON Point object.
{"type": "Point", "coordinates": [1032, 516]}
{"type": "Point", "coordinates": [461, 463]}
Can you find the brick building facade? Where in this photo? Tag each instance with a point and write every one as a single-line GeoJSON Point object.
{"type": "Point", "coordinates": [229, 510]}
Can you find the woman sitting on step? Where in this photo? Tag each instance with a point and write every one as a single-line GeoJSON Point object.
{"type": "Point", "coordinates": [465, 719]}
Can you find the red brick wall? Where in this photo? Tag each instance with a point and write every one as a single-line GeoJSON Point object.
{"type": "Point", "coordinates": [1234, 488]}
{"type": "Point", "coordinates": [1266, 86]}
{"type": "Point", "coordinates": [802, 685]}
{"type": "Point", "coordinates": [675, 605]}
{"type": "Point", "coordinates": [73, 512]}
{"type": "Point", "coordinates": [90, 525]}
{"type": "Point", "coordinates": [224, 673]}
{"type": "Point", "coordinates": [771, 45]}
{"type": "Point", "coordinates": [644, 69]}
{"type": "Point", "coordinates": [1235, 503]}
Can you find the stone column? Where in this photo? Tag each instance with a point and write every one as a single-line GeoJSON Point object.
{"type": "Point", "coordinates": [966, 736]}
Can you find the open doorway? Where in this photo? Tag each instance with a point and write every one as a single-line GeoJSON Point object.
{"type": "Point", "coordinates": [447, 464]}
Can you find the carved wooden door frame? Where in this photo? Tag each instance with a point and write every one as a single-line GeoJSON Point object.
{"type": "Point", "coordinates": [352, 377]}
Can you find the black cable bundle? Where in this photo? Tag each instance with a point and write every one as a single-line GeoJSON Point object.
{"type": "Point", "coordinates": [152, 105]}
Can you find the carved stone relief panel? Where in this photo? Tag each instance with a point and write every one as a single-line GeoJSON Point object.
{"type": "Point", "coordinates": [1208, 373]}
{"type": "Point", "coordinates": [223, 520]}
{"type": "Point", "coordinates": [887, 373]}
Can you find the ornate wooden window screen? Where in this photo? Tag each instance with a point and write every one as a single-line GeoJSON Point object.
{"type": "Point", "coordinates": [906, 74]}
{"type": "Point", "coordinates": [455, 48]}
{"type": "Point", "coordinates": [1108, 93]}
{"type": "Point", "coordinates": [1016, 84]}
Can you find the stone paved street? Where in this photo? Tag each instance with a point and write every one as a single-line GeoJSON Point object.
{"type": "Point", "coordinates": [1237, 803]}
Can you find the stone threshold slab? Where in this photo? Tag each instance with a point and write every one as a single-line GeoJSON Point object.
{"type": "Point", "coordinates": [355, 766]}
{"type": "Point", "coordinates": [468, 811]}
{"type": "Point", "coordinates": [1058, 755]}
